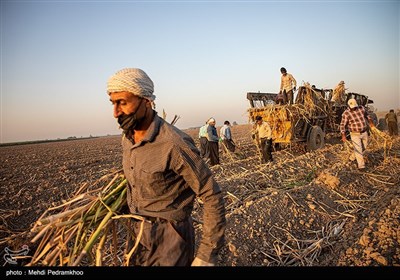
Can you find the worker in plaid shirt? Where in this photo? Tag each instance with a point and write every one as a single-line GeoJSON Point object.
{"type": "Point", "coordinates": [354, 118]}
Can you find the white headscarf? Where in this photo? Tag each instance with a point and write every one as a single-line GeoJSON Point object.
{"type": "Point", "coordinates": [211, 120]}
{"type": "Point", "coordinates": [133, 80]}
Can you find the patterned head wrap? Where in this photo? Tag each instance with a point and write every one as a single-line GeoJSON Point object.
{"type": "Point", "coordinates": [133, 80]}
{"type": "Point", "coordinates": [211, 120]}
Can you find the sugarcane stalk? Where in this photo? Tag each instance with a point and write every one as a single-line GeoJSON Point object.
{"type": "Point", "coordinates": [78, 241]}
{"type": "Point", "coordinates": [46, 248]}
{"type": "Point", "coordinates": [55, 217]}
{"type": "Point", "coordinates": [80, 223]}
{"type": "Point", "coordinates": [100, 247]}
{"type": "Point", "coordinates": [116, 190]}
{"type": "Point", "coordinates": [49, 260]}
{"type": "Point", "coordinates": [95, 235]}
{"type": "Point", "coordinates": [79, 197]}
{"type": "Point", "coordinates": [111, 182]}
{"type": "Point", "coordinates": [99, 204]}
{"type": "Point", "coordinates": [114, 242]}
{"type": "Point", "coordinates": [129, 255]}
{"type": "Point", "coordinates": [41, 233]}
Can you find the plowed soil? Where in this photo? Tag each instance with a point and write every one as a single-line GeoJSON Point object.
{"type": "Point", "coordinates": [304, 209]}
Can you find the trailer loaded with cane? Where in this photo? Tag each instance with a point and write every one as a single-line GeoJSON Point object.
{"type": "Point", "coordinates": [308, 120]}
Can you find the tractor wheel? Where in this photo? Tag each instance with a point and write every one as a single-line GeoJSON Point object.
{"type": "Point", "coordinates": [315, 139]}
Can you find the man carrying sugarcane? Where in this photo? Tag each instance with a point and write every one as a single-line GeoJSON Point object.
{"type": "Point", "coordinates": [354, 118]}
{"type": "Point", "coordinates": [165, 173]}
{"type": "Point", "coordinates": [225, 134]}
{"type": "Point", "coordinates": [263, 135]}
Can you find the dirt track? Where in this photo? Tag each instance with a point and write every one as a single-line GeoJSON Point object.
{"type": "Point", "coordinates": [305, 209]}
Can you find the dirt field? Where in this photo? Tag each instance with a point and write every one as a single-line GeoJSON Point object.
{"type": "Point", "coordinates": [304, 209]}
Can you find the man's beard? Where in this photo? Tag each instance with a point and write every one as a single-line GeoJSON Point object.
{"type": "Point", "coordinates": [129, 122]}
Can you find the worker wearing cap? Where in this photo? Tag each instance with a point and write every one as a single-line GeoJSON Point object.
{"type": "Point", "coordinates": [355, 118]}
{"type": "Point", "coordinates": [165, 173]}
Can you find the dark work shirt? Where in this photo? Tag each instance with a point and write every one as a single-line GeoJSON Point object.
{"type": "Point", "coordinates": [212, 134]}
{"type": "Point", "coordinates": [165, 173]}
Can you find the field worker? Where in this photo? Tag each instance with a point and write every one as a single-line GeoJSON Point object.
{"type": "Point", "coordinates": [288, 85]}
{"type": "Point", "coordinates": [165, 173]}
{"type": "Point", "coordinates": [391, 121]}
{"type": "Point", "coordinates": [203, 142]}
{"type": "Point", "coordinates": [213, 139]}
{"type": "Point", "coordinates": [226, 136]}
{"type": "Point", "coordinates": [354, 119]}
{"type": "Point", "coordinates": [263, 134]}
{"type": "Point", "coordinates": [339, 93]}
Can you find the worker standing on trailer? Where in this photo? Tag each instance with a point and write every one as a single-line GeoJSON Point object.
{"type": "Point", "coordinates": [288, 85]}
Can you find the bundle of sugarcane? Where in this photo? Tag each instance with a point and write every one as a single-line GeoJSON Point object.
{"type": "Point", "coordinates": [309, 103]}
{"type": "Point", "coordinates": [338, 93]}
{"type": "Point", "coordinates": [276, 116]}
{"type": "Point", "coordinates": [381, 139]}
{"type": "Point", "coordinates": [280, 121]}
{"type": "Point", "coordinates": [315, 101]}
{"type": "Point", "coordinates": [80, 228]}
{"type": "Point", "coordinates": [378, 138]}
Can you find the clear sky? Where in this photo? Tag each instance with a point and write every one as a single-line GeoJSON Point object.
{"type": "Point", "coordinates": [203, 57]}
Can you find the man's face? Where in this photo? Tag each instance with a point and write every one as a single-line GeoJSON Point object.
{"type": "Point", "coordinates": [124, 103]}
